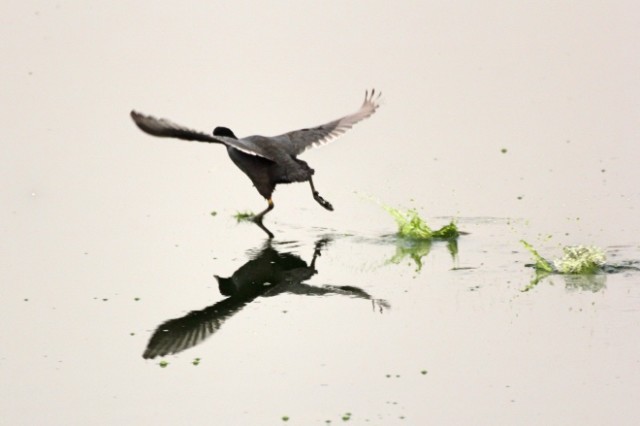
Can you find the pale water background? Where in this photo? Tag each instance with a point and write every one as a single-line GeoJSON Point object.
{"type": "Point", "coordinates": [106, 233]}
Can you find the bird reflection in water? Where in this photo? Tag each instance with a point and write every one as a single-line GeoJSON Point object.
{"type": "Point", "coordinates": [268, 273]}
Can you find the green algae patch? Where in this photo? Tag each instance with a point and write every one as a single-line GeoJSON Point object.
{"type": "Point", "coordinates": [244, 216]}
{"type": "Point", "coordinates": [579, 264]}
{"type": "Point", "coordinates": [412, 226]}
{"type": "Point", "coordinates": [575, 260]}
{"type": "Point", "coordinates": [415, 237]}
{"type": "Point", "coordinates": [541, 264]}
{"type": "Point", "coordinates": [580, 260]}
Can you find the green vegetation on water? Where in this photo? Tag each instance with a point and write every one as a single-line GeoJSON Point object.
{"type": "Point", "coordinates": [580, 260]}
{"type": "Point", "coordinates": [244, 216]}
{"type": "Point", "coordinates": [412, 226]}
{"type": "Point", "coordinates": [541, 263]}
{"type": "Point", "coordinates": [577, 261]}
{"type": "Point", "coordinates": [415, 236]}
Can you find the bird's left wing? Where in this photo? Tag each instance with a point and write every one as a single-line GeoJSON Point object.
{"type": "Point", "coordinates": [164, 128]}
{"type": "Point", "coordinates": [299, 141]}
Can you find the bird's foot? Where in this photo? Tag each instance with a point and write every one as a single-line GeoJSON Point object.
{"type": "Point", "coordinates": [324, 203]}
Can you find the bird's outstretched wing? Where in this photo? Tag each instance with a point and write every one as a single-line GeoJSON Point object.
{"type": "Point", "coordinates": [301, 140]}
{"type": "Point", "coordinates": [179, 334]}
{"type": "Point", "coordinates": [167, 129]}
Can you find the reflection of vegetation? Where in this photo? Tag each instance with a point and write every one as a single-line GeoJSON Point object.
{"type": "Point", "coordinates": [415, 249]}
{"type": "Point", "coordinates": [243, 216]}
{"type": "Point", "coordinates": [594, 282]}
{"type": "Point", "coordinates": [539, 276]}
{"type": "Point", "coordinates": [579, 266]}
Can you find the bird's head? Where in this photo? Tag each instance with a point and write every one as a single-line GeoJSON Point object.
{"type": "Point", "coordinates": [224, 131]}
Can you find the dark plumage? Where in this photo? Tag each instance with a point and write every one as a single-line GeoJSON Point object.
{"type": "Point", "coordinates": [267, 161]}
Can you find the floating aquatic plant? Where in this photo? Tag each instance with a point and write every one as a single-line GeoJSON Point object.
{"type": "Point", "coordinates": [243, 216]}
{"type": "Point", "coordinates": [580, 260]}
{"type": "Point", "coordinates": [577, 262]}
{"type": "Point", "coordinates": [415, 236]}
{"type": "Point", "coordinates": [412, 226]}
{"type": "Point", "coordinates": [541, 263]}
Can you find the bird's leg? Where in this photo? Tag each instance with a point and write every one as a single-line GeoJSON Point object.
{"type": "Point", "coordinates": [316, 196]}
{"type": "Point", "coordinates": [318, 251]}
{"type": "Point", "coordinates": [257, 219]}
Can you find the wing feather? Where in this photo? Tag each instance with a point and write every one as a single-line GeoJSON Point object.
{"type": "Point", "coordinates": [164, 128]}
{"type": "Point", "coordinates": [301, 140]}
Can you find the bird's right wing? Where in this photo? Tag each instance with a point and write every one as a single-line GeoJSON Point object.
{"type": "Point", "coordinates": [164, 128]}
{"type": "Point", "coordinates": [299, 141]}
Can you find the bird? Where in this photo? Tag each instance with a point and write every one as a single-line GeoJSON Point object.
{"type": "Point", "coordinates": [267, 160]}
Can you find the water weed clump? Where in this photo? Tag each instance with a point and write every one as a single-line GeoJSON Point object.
{"type": "Point", "coordinates": [576, 260]}
{"type": "Point", "coordinates": [541, 263]}
{"type": "Point", "coordinates": [412, 226]}
{"type": "Point", "coordinates": [244, 216]}
{"type": "Point", "coordinates": [414, 236]}
{"type": "Point", "coordinates": [580, 260]}
{"type": "Point", "coordinates": [579, 264]}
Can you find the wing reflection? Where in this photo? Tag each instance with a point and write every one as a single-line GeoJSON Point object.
{"type": "Point", "coordinates": [268, 273]}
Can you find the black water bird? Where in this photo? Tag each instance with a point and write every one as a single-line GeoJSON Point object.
{"type": "Point", "coordinates": [267, 273]}
{"type": "Point", "coordinates": [267, 161]}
